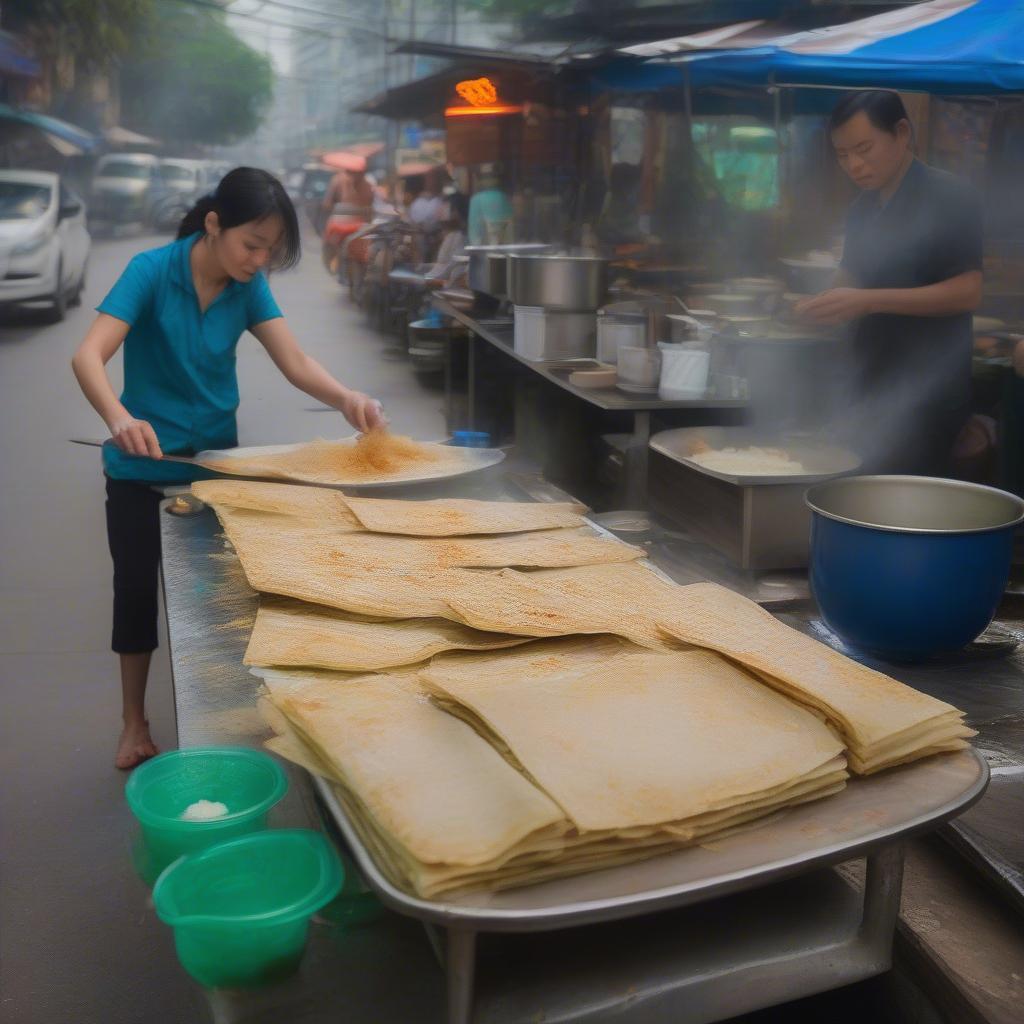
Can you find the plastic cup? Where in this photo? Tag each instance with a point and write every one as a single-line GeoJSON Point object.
{"type": "Point", "coordinates": [247, 782]}
{"type": "Point", "coordinates": [240, 910]}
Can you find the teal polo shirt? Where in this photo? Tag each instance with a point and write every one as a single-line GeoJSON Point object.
{"type": "Point", "coordinates": [179, 363]}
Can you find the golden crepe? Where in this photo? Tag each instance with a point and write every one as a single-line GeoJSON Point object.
{"type": "Point", "coordinates": [320, 505]}
{"type": "Point", "coordinates": [452, 517]}
{"type": "Point", "coordinates": [440, 790]}
{"type": "Point", "coordinates": [375, 457]}
{"type": "Point", "coordinates": [624, 737]}
{"type": "Point", "coordinates": [293, 567]}
{"type": "Point", "coordinates": [293, 633]}
{"type": "Point", "coordinates": [618, 598]}
{"type": "Point", "coordinates": [371, 551]}
{"type": "Point", "coordinates": [883, 722]}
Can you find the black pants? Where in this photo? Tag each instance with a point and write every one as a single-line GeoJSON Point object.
{"type": "Point", "coordinates": [133, 532]}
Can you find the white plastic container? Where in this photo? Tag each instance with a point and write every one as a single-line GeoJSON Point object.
{"type": "Point", "coordinates": [545, 336]}
{"type": "Point", "coordinates": [639, 368]}
{"type": "Point", "coordinates": [684, 372]}
{"type": "Point", "coordinates": [613, 334]}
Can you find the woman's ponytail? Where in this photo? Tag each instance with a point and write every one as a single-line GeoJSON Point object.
{"type": "Point", "coordinates": [249, 195]}
{"type": "Point", "coordinates": [195, 219]}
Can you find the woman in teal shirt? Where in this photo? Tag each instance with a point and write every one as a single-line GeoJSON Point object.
{"type": "Point", "coordinates": [179, 312]}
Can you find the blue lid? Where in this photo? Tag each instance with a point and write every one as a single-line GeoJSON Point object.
{"type": "Point", "coordinates": [471, 438]}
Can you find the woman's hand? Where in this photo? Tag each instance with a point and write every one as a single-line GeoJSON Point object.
{"type": "Point", "coordinates": [363, 412]}
{"type": "Point", "coordinates": [836, 306]}
{"type": "Point", "coordinates": [135, 437]}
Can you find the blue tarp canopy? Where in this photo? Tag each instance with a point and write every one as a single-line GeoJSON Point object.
{"type": "Point", "coordinates": [947, 47]}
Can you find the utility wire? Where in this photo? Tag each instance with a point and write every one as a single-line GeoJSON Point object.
{"type": "Point", "coordinates": [355, 19]}
{"type": "Point", "coordinates": [304, 29]}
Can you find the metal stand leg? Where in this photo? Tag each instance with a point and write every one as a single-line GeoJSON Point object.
{"type": "Point", "coordinates": [883, 884]}
{"type": "Point", "coordinates": [448, 416]}
{"type": "Point", "coordinates": [636, 462]}
{"type": "Point", "coordinates": [471, 382]}
{"type": "Point", "coordinates": [461, 966]}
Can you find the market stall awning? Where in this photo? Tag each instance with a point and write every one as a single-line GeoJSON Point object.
{"type": "Point", "coordinates": [52, 126]}
{"type": "Point", "coordinates": [343, 160]}
{"type": "Point", "coordinates": [118, 135]}
{"type": "Point", "coordinates": [951, 47]}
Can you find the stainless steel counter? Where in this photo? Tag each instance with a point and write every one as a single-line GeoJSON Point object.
{"type": "Point", "coordinates": [364, 963]}
{"type": "Point", "coordinates": [499, 334]}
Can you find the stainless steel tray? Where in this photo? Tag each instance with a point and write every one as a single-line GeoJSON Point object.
{"type": "Point", "coordinates": [868, 814]}
{"type": "Point", "coordinates": [822, 461]}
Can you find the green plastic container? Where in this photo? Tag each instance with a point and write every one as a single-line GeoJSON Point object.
{"type": "Point", "coordinates": [248, 782]}
{"type": "Point", "coordinates": [240, 910]}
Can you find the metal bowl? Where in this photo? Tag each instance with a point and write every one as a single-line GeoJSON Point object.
{"type": "Point", "coordinates": [909, 567]}
{"type": "Point", "coordinates": [567, 283]}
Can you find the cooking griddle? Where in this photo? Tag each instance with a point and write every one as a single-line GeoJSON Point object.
{"type": "Point", "coordinates": [820, 461]}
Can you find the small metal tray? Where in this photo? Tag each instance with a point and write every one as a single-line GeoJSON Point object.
{"type": "Point", "coordinates": [822, 461]}
{"type": "Point", "coordinates": [870, 813]}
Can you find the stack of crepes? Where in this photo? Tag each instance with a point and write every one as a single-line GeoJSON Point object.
{"type": "Point", "coordinates": [687, 712]}
{"type": "Point", "coordinates": [550, 759]}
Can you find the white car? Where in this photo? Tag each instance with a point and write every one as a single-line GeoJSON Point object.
{"type": "Point", "coordinates": [125, 187]}
{"type": "Point", "coordinates": [44, 244]}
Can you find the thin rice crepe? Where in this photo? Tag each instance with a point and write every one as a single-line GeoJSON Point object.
{"type": "Point", "coordinates": [293, 633]}
{"type": "Point", "coordinates": [883, 722]}
{"type": "Point", "coordinates": [317, 505]}
{"type": "Point", "coordinates": [622, 599]}
{"type": "Point", "coordinates": [627, 737]}
{"type": "Point", "coordinates": [371, 551]}
{"type": "Point", "coordinates": [452, 517]}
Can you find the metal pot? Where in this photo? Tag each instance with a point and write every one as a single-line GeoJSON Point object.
{"type": "Point", "coordinates": [487, 272]}
{"type": "Point", "coordinates": [733, 303]}
{"type": "Point", "coordinates": [568, 283]}
{"type": "Point", "coordinates": [910, 566]}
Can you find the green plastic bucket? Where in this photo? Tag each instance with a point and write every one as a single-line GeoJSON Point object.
{"type": "Point", "coordinates": [240, 910]}
{"type": "Point", "coordinates": [247, 782]}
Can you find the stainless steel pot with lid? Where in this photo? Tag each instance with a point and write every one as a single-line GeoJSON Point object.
{"type": "Point", "coordinates": [487, 271]}
{"type": "Point", "coordinates": [566, 283]}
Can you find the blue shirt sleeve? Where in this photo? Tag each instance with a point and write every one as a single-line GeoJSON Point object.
{"type": "Point", "coordinates": [132, 292]}
{"type": "Point", "coordinates": [261, 303]}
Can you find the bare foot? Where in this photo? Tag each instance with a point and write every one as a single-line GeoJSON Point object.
{"type": "Point", "coordinates": [135, 746]}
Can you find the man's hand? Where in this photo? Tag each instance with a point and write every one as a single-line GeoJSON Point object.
{"type": "Point", "coordinates": [135, 437]}
{"type": "Point", "coordinates": [363, 412]}
{"type": "Point", "coordinates": [836, 306]}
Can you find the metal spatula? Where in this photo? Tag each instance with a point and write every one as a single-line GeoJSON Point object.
{"type": "Point", "coordinates": [95, 443]}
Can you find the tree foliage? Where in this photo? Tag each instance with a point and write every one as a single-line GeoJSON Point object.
{"type": "Point", "coordinates": [94, 32]}
{"type": "Point", "coordinates": [189, 78]}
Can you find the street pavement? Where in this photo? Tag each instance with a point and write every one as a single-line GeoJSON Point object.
{"type": "Point", "coordinates": [79, 940]}
{"type": "Point", "coordinates": [79, 943]}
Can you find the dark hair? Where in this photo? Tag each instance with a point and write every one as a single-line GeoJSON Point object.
{"type": "Point", "coordinates": [883, 107]}
{"type": "Point", "coordinates": [244, 195]}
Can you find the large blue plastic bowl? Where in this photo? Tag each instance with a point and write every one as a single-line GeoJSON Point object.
{"type": "Point", "coordinates": [907, 567]}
